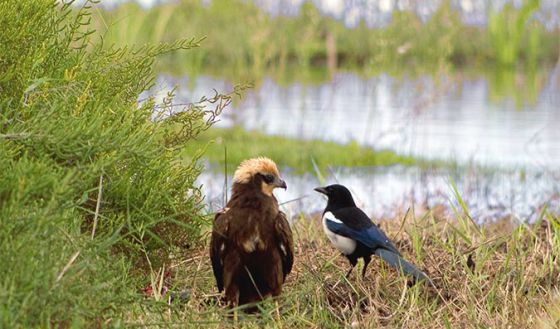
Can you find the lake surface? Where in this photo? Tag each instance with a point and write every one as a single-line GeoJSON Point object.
{"type": "Point", "coordinates": [466, 119]}
{"type": "Point", "coordinates": [389, 192]}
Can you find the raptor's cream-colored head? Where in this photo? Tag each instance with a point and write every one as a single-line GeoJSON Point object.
{"type": "Point", "coordinates": [262, 169]}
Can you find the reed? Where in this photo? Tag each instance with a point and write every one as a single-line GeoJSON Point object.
{"type": "Point", "coordinates": [508, 27]}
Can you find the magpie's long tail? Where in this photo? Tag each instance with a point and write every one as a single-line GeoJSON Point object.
{"type": "Point", "coordinates": [403, 265]}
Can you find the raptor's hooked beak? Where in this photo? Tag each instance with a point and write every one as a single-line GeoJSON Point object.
{"type": "Point", "coordinates": [321, 190]}
{"type": "Point", "coordinates": [280, 183]}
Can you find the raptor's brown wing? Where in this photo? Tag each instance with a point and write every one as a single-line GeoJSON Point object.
{"type": "Point", "coordinates": [217, 245]}
{"type": "Point", "coordinates": [286, 242]}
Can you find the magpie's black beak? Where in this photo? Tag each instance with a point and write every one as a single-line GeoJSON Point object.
{"type": "Point", "coordinates": [321, 190]}
{"type": "Point", "coordinates": [280, 183]}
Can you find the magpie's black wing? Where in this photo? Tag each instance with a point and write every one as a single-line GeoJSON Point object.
{"type": "Point", "coordinates": [353, 223]}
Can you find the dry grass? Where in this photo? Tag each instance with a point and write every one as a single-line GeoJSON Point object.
{"type": "Point", "coordinates": [496, 276]}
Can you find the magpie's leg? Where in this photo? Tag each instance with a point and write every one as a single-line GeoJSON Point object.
{"type": "Point", "coordinates": [367, 259]}
{"type": "Point", "coordinates": [353, 261]}
{"type": "Point", "coordinates": [349, 271]}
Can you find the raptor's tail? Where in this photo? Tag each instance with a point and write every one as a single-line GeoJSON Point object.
{"type": "Point", "coordinates": [403, 265]}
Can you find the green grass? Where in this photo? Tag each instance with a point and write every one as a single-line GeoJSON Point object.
{"type": "Point", "coordinates": [297, 154]}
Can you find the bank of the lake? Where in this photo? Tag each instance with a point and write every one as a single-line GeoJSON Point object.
{"type": "Point", "coordinates": [498, 275]}
{"type": "Point", "coordinates": [233, 145]}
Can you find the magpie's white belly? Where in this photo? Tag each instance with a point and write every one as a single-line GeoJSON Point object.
{"type": "Point", "coordinates": [344, 244]}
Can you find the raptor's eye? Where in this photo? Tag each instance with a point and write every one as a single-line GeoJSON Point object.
{"type": "Point", "coordinates": [268, 178]}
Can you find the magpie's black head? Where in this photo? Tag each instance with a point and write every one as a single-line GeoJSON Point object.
{"type": "Point", "coordinates": [338, 195]}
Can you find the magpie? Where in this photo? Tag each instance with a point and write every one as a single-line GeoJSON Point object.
{"type": "Point", "coordinates": [353, 233]}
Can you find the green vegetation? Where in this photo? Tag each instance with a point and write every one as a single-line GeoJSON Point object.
{"type": "Point", "coordinates": [244, 42]}
{"type": "Point", "coordinates": [91, 182]}
{"type": "Point", "coordinates": [300, 155]}
{"type": "Point", "coordinates": [100, 216]}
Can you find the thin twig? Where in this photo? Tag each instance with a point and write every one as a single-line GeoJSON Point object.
{"type": "Point", "coordinates": [67, 266]}
{"type": "Point", "coordinates": [225, 176]}
{"type": "Point", "coordinates": [15, 136]}
{"type": "Point", "coordinates": [96, 216]}
{"type": "Point", "coordinates": [403, 221]}
{"type": "Point", "coordinates": [294, 200]}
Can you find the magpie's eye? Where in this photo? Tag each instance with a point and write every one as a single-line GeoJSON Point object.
{"type": "Point", "coordinates": [268, 178]}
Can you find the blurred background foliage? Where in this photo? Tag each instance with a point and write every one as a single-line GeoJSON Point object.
{"type": "Point", "coordinates": [243, 41]}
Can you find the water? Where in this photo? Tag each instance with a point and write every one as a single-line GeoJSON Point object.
{"type": "Point", "coordinates": [468, 120]}
{"type": "Point", "coordinates": [390, 192]}
{"type": "Point", "coordinates": [449, 119]}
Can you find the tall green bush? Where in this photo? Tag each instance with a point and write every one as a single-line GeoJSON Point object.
{"type": "Point", "coordinates": [89, 179]}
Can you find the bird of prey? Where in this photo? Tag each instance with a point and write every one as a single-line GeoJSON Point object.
{"type": "Point", "coordinates": [352, 232]}
{"type": "Point", "coordinates": [251, 246]}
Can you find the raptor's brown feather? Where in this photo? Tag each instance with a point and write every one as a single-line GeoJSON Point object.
{"type": "Point", "coordinates": [251, 247]}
